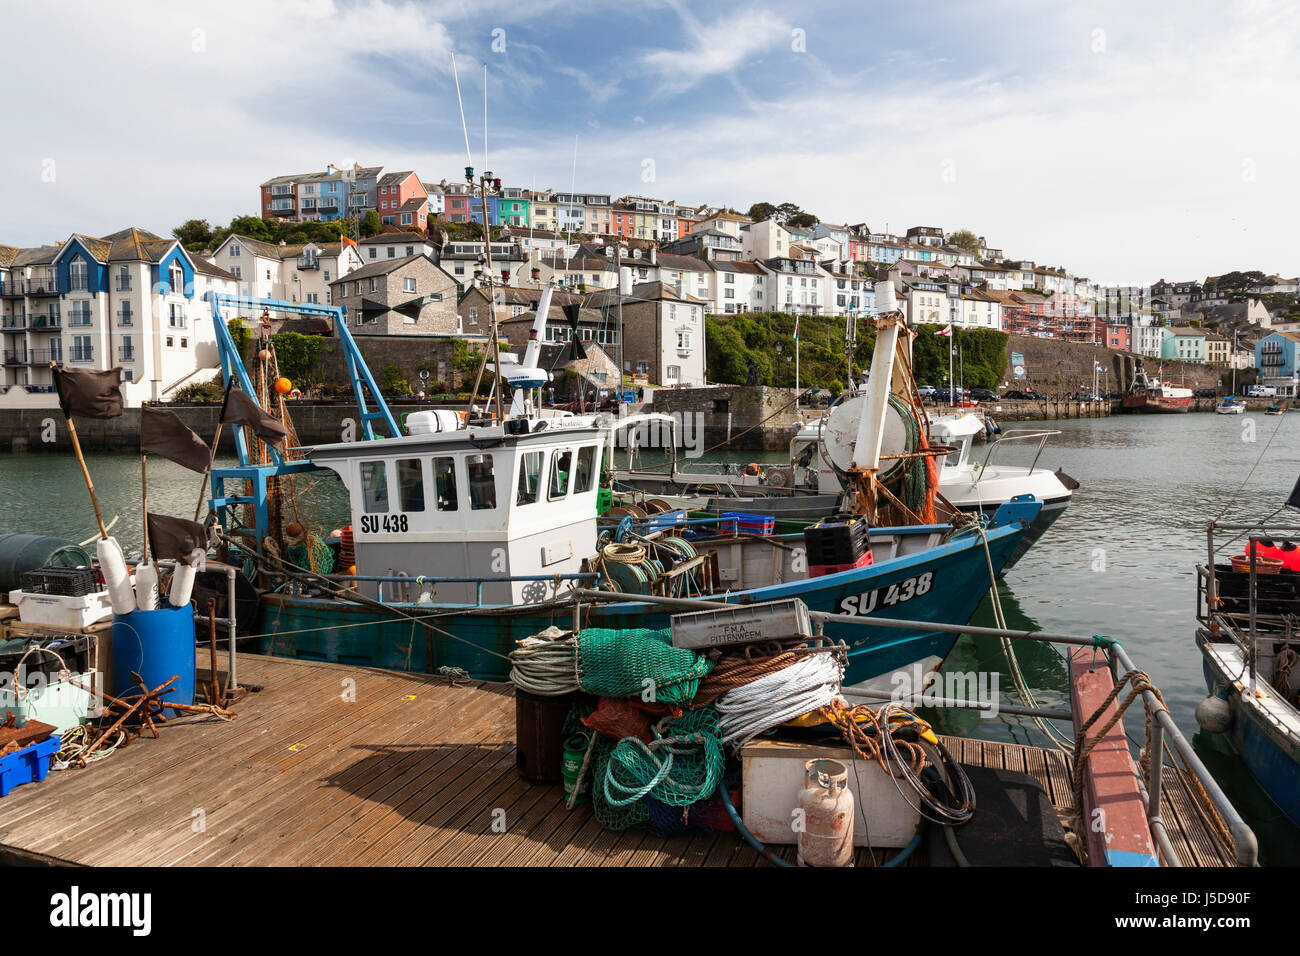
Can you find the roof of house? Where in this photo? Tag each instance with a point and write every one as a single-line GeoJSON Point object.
{"type": "Point", "coordinates": [395, 179]}
{"type": "Point", "coordinates": [682, 263]}
{"type": "Point", "coordinates": [381, 268]}
{"type": "Point", "coordinates": [644, 292]}
{"type": "Point", "coordinates": [7, 254]}
{"type": "Point", "coordinates": [736, 265]}
{"type": "Point", "coordinates": [395, 237]}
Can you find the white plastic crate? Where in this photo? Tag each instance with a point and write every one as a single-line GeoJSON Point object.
{"type": "Point", "coordinates": [59, 610]}
{"type": "Point", "coordinates": [786, 620]}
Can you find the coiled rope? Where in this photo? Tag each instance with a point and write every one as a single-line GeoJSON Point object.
{"type": "Point", "coordinates": [736, 670]}
{"type": "Point", "coordinates": [806, 685]}
{"type": "Point", "coordinates": [545, 666]}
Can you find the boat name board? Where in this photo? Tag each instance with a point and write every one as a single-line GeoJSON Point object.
{"type": "Point", "coordinates": [391, 523]}
{"type": "Point", "coordinates": [899, 592]}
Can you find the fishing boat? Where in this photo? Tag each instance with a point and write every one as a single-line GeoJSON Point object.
{"type": "Point", "coordinates": [811, 485]}
{"type": "Point", "coordinates": [469, 534]}
{"type": "Point", "coordinates": [1247, 608]}
{"type": "Point", "coordinates": [1273, 408]}
{"type": "Point", "coordinates": [1150, 395]}
{"type": "Point", "coordinates": [1230, 406]}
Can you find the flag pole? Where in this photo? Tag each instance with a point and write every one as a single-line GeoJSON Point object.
{"type": "Point", "coordinates": [212, 453]}
{"type": "Point", "coordinates": [144, 505]}
{"type": "Point", "coordinates": [81, 460]}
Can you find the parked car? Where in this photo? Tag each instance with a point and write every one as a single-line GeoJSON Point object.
{"type": "Point", "coordinates": [1028, 396]}
{"type": "Point", "coordinates": [984, 394]}
{"type": "Point", "coordinates": [956, 396]}
{"type": "Point", "coordinates": [1086, 397]}
{"type": "Point", "coordinates": [927, 391]}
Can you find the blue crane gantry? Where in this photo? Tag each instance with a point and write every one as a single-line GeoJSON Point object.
{"type": "Point", "coordinates": [232, 366]}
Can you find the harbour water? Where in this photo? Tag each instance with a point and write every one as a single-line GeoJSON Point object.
{"type": "Point", "coordinates": [1119, 562]}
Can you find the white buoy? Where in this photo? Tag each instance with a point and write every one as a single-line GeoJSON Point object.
{"type": "Point", "coordinates": [182, 585]}
{"type": "Point", "coordinates": [116, 578]}
{"type": "Point", "coordinates": [1214, 715]}
{"type": "Point", "coordinates": [146, 586]}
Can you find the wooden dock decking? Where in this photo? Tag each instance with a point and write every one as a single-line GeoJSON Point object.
{"type": "Point", "coordinates": [340, 766]}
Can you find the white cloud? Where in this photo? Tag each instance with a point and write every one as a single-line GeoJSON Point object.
{"type": "Point", "coordinates": [715, 49]}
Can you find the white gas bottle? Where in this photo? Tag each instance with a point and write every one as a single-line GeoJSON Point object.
{"type": "Point", "coordinates": [826, 806]}
{"type": "Point", "coordinates": [146, 587]}
{"type": "Point", "coordinates": [116, 578]}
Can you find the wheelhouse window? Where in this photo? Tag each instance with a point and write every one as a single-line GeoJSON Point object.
{"type": "Point", "coordinates": [530, 478]}
{"type": "Point", "coordinates": [482, 482]}
{"type": "Point", "coordinates": [585, 476]}
{"type": "Point", "coordinates": [444, 483]}
{"type": "Point", "coordinates": [374, 487]}
{"type": "Point", "coordinates": [561, 468]}
{"type": "Point", "coordinates": [410, 484]}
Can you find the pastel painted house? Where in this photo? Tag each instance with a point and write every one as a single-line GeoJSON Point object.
{"type": "Point", "coordinates": [1183, 345]}
{"type": "Point", "coordinates": [1276, 361]}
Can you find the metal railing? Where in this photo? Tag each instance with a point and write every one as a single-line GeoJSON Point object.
{"type": "Point", "coordinates": [1159, 722]}
{"type": "Point", "coordinates": [126, 353]}
{"type": "Point", "coordinates": [84, 353]}
{"type": "Point", "coordinates": [1013, 436]}
{"type": "Point", "coordinates": [47, 323]}
{"type": "Point", "coordinates": [13, 322]}
{"type": "Point", "coordinates": [406, 581]}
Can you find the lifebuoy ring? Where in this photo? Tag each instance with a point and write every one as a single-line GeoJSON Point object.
{"type": "Point", "coordinates": [752, 470]}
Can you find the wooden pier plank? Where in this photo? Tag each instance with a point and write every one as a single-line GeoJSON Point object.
{"type": "Point", "coordinates": [407, 774]}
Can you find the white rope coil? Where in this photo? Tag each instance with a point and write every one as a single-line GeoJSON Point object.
{"type": "Point", "coordinates": [545, 666]}
{"type": "Point", "coordinates": [749, 710]}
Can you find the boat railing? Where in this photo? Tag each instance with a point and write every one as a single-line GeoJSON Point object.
{"type": "Point", "coordinates": [1018, 435]}
{"type": "Point", "coordinates": [1160, 728]}
{"type": "Point", "coordinates": [407, 580]}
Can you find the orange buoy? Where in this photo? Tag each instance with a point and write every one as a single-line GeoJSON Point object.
{"type": "Point", "coordinates": [264, 355]}
{"type": "Point", "coordinates": [283, 386]}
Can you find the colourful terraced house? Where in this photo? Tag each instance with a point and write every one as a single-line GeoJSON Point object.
{"type": "Point", "coordinates": [512, 207]}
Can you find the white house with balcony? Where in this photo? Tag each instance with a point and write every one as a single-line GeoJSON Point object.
{"type": "Point", "coordinates": [131, 300]}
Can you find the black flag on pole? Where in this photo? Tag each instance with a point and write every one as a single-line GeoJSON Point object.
{"type": "Point", "coordinates": [176, 538]}
{"type": "Point", "coordinates": [88, 393]}
{"type": "Point", "coordinates": [240, 409]}
{"type": "Point", "coordinates": [163, 433]}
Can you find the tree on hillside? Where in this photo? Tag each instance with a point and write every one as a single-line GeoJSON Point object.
{"type": "Point", "coordinates": [965, 239]}
{"type": "Point", "coordinates": [194, 234]}
{"type": "Point", "coordinates": [802, 220]}
{"type": "Point", "coordinates": [371, 224]}
{"type": "Point", "coordinates": [761, 211]}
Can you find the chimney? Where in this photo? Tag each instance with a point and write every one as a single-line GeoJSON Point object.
{"type": "Point", "coordinates": [654, 255]}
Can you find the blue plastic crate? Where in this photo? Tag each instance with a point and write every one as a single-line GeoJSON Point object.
{"type": "Point", "coordinates": [745, 523]}
{"type": "Point", "coordinates": [27, 765]}
{"type": "Point", "coordinates": [665, 520]}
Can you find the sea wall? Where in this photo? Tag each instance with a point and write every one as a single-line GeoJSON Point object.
{"type": "Point", "coordinates": [757, 418]}
{"type": "Point", "coordinates": [1061, 368]}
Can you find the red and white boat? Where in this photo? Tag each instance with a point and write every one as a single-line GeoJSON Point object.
{"type": "Point", "coordinates": [1153, 395]}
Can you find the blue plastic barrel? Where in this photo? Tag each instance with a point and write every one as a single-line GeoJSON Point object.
{"type": "Point", "coordinates": [157, 645]}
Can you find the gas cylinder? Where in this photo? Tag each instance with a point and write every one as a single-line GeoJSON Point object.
{"type": "Point", "coordinates": [826, 805]}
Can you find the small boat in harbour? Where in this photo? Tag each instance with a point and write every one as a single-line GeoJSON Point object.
{"type": "Point", "coordinates": [1230, 406]}
{"type": "Point", "coordinates": [1273, 408]}
{"type": "Point", "coordinates": [1247, 608]}
{"type": "Point", "coordinates": [1150, 395]}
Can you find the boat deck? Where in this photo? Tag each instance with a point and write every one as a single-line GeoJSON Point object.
{"type": "Point", "coordinates": [409, 771]}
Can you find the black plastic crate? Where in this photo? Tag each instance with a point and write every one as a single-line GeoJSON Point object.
{"type": "Point", "coordinates": [836, 540]}
{"type": "Point", "coordinates": [73, 649]}
{"type": "Point", "coordinates": [66, 582]}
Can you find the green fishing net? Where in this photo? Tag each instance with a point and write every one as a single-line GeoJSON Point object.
{"type": "Point", "coordinates": [622, 663]}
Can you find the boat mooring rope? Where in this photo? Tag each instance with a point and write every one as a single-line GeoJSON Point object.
{"type": "Point", "coordinates": [760, 705]}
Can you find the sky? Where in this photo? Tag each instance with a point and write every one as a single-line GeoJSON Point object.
{"type": "Point", "coordinates": [1126, 141]}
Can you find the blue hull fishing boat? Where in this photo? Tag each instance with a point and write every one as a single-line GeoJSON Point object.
{"type": "Point", "coordinates": [934, 575]}
{"type": "Point", "coordinates": [1247, 642]}
{"type": "Point", "coordinates": [470, 532]}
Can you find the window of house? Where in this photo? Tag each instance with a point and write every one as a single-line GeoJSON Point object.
{"type": "Point", "coordinates": [410, 484]}
{"type": "Point", "coordinates": [373, 252]}
{"type": "Point", "coordinates": [561, 466]}
{"type": "Point", "coordinates": [410, 250]}
{"type": "Point", "coordinates": [374, 487]}
{"type": "Point", "coordinates": [683, 340]}
{"type": "Point", "coordinates": [170, 342]}
{"type": "Point", "coordinates": [177, 276]}
{"type": "Point", "coordinates": [374, 284]}
{"type": "Point", "coordinates": [185, 343]}
{"type": "Point", "coordinates": [408, 285]}
{"type": "Point", "coordinates": [77, 275]}
{"type": "Point", "coordinates": [235, 271]}
{"type": "Point", "coordinates": [530, 478]}
{"type": "Point", "coordinates": [392, 252]}
{"type": "Point", "coordinates": [642, 367]}
{"type": "Point", "coordinates": [673, 373]}
{"type": "Point", "coordinates": [473, 315]}
{"type": "Point", "coordinates": [124, 279]}
{"type": "Point", "coordinates": [584, 478]}
{"type": "Point", "coordinates": [234, 250]}
{"type": "Point", "coordinates": [482, 482]}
